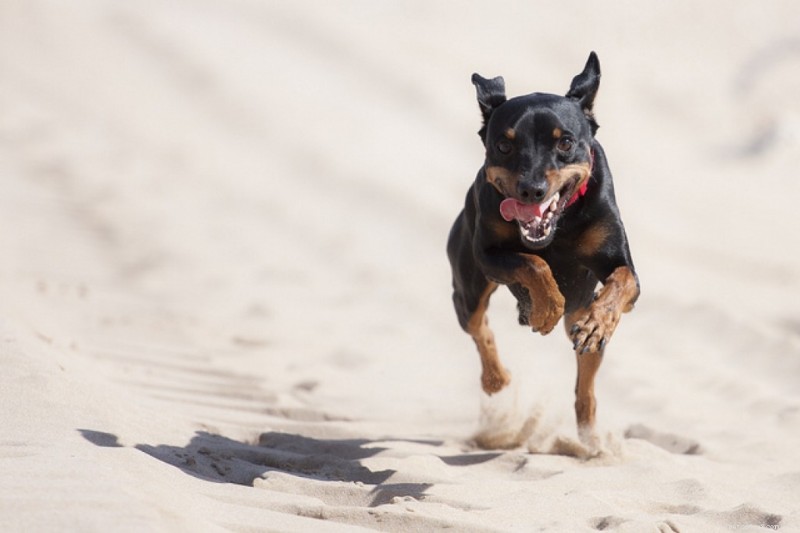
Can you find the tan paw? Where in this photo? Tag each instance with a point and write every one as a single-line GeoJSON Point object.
{"type": "Point", "coordinates": [495, 381]}
{"type": "Point", "coordinates": [546, 314]}
{"type": "Point", "coordinates": [592, 331]}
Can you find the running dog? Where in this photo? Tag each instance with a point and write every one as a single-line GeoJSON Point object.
{"type": "Point", "coordinates": [542, 219]}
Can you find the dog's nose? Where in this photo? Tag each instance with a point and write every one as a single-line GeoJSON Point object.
{"type": "Point", "coordinates": [532, 191]}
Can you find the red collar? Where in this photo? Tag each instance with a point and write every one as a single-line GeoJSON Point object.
{"type": "Point", "coordinates": [582, 190]}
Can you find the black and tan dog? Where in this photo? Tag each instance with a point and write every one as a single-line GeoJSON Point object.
{"type": "Point", "coordinates": [541, 218]}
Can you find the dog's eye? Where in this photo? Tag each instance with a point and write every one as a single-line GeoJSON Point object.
{"type": "Point", "coordinates": [504, 146]}
{"type": "Point", "coordinates": [565, 144]}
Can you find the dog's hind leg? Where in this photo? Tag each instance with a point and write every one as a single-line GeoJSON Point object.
{"type": "Point", "coordinates": [590, 327]}
{"type": "Point", "coordinates": [471, 293]}
{"type": "Point", "coordinates": [493, 376]}
{"type": "Point", "coordinates": [585, 401]}
{"type": "Point", "coordinates": [579, 298]}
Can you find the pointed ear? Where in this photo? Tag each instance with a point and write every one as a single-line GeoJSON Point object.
{"type": "Point", "coordinates": [491, 93]}
{"type": "Point", "coordinates": [584, 88]}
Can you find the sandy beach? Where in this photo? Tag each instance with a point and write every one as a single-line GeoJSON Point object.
{"type": "Point", "coordinates": [226, 304]}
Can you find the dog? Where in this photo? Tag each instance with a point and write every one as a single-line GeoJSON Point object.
{"type": "Point", "coordinates": [541, 218]}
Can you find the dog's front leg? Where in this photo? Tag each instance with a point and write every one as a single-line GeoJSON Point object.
{"type": "Point", "coordinates": [592, 327]}
{"type": "Point", "coordinates": [533, 273]}
{"type": "Point", "coordinates": [547, 302]}
{"type": "Point", "coordinates": [590, 330]}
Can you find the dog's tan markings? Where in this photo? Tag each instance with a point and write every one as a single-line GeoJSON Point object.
{"type": "Point", "coordinates": [593, 238]}
{"type": "Point", "coordinates": [503, 231]}
{"type": "Point", "coordinates": [547, 301]}
{"type": "Point", "coordinates": [493, 376]}
{"type": "Point", "coordinates": [594, 325]}
{"type": "Point", "coordinates": [510, 134]}
{"type": "Point", "coordinates": [554, 181]}
{"type": "Point", "coordinates": [585, 399]}
{"type": "Point", "coordinates": [506, 182]}
{"type": "Point", "coordinates": [575, 171]}
{"type": "Point", "coordinates": [557, 133]}
{"type": "Point", "coordinates": [502, 179]}
{"type": "Point", "coordinates": [626, 287]}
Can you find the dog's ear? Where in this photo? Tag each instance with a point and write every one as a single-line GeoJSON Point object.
{"type": "Point", "coordinates": [491, 93]}
{"type": "Point", "coordinates": [584, 88]}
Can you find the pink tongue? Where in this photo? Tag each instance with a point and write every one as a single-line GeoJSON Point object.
{"type": "Point", "coordinates": [512, 209]}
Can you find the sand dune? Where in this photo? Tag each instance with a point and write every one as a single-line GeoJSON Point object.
{"type": "Point", "coordinates": [226, 304]}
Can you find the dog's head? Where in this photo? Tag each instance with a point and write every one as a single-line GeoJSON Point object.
{"type": "Point", "coordinates": [538, 150]}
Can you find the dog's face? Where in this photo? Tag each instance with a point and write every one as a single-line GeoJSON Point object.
{"type": "Point", "coordinates": [538, 150]}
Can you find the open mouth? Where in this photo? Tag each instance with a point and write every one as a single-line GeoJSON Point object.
{"type": "Point", "coordinates": [537, 221]}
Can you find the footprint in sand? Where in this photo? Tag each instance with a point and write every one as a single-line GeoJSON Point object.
{"type": "Point", "coordinates": [668, 441]}
{"type": "Point", "coordinates": [748, 515]}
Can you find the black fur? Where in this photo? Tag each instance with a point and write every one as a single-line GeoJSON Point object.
{"type": "Point", "coordinates": [483, 247]}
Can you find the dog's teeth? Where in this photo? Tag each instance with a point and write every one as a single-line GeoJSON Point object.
{"type": "Point", "coordinates": [556, 196]}
{"type": "Point", "coordinates": [546, 231]}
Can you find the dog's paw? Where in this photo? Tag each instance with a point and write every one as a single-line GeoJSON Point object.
{"type": "Point", "coordinates": [495, 381]}
{"type": "Point", "coordinates": [592, 331]}
{"type": "Point", "coordinates": [547, 302]}
{"type": "Point", "coordinates": [546, 314]}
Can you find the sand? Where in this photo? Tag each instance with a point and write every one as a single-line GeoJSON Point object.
{"type": "Point", "coordinates": [226, 303]}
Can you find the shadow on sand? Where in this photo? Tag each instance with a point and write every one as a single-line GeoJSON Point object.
{"type": "Point", "coordinates": [218, 459]}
